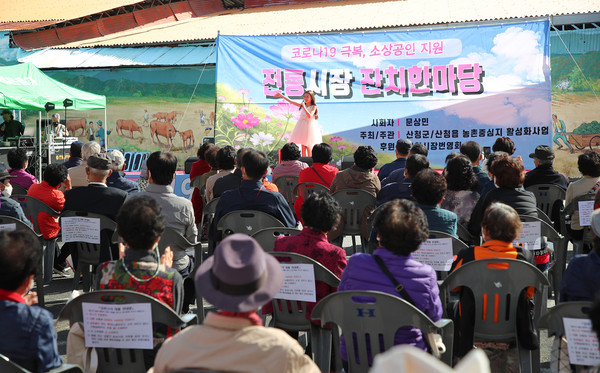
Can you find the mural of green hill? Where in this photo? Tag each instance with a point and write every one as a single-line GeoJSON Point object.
{"type": "Point", "coordinates": [566, 75]}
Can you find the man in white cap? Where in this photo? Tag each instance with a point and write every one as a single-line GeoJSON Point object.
{"type": "Point", "coordinates": [117, 178]}
{"type": "Point", "coordinates": [238, 279]}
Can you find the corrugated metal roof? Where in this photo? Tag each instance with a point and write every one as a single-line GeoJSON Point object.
{"type": "Point", "coordinates": [112, 57]}
{"type": "Point", "coordinates": [344, 15]}
{"type": "Point", "coordinates": [55, 10]}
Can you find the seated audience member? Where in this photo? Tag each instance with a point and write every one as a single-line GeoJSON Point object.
{"type": "Point", "coordinates": [290, 162]}
{"type": "Point", "coordinates": [8, 206]}
{"type": "Point", "coordinates": [117, 177]}
{"type": "Point", "coordinates": [226, 165]}
{"type": "Point", "coordinates": [402, 148]}
{"type": "Point", "coordinates": [397, 176]}
{"type": "Point", "coordinates": [252, 195]}
{"type": "Point", "coordinates": [199, 168]}
{"type": "Point", "coordinates": [97, 198]}
{"type": "Point", "coordinates": [401, 228]}
{"type": "Point", "coordinates": [508, 174]}
{"type": "Point", "coordinates": [414, 164]}
{"type": "Point", "coordinates": [544, 173]}
{"type": "Point", "coordinates": [589, 166]}
{"type": "Point", "coordinates": [581, 282]}
{"type": "Point", "coordinates": [74, 155]}
{"type": "Point", "coordinates": [504, 144]}
{"type": "Point", "coordinates": [177, 211]}
{"type": "Point", "coordinates": [48, 192]}
{"type": "Point", "coordinates": [360, 175]}
{"type": "Point", "coordinates": [461, 196]}
{"type": "Point", "coordinates": [501, 225]}
{"type": "Point", "coordinates": [428, 190]}
{"type": "Point", "coordinates": [320, 172]}
{"type": "Point", "coordinates": [29, 336]}
{"type": "Point", "coordinates": [595, 318]}
{"type": "Point", "coordinates": [141, 268]}
{"type": "Point", "coordinates": [211, 157]}
{"type": "Point", "coordinates": [233, 180]}
{"type": "Point", "coordinates": [18, 162]}
{"type": "Point", "coordinates": [319, 214]}
{"type": "Point", "coordinates": [238, 279]}
{"type": "Point", "coordinates": [474, 153]}
{"type": "Point", "coordinates": [78, 174]}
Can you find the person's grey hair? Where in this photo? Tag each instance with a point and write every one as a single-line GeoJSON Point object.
{"type": "Point", "coordinates": [117, 160]}
{"type": "Point", "coordinates": [545, 161]}
{"type": "Point", "coordinates": [99, 173]}
{"type": "Point", "coordinates": [90, 148]}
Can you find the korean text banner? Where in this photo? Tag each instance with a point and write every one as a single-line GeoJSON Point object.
{"type": "Point", "coordinates": [436, 87]}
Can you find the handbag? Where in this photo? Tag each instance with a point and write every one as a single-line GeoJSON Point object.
{"type": "Point", "coordinates": [526, 331]}
{"type": "Point", "coordinates": [434, 340]}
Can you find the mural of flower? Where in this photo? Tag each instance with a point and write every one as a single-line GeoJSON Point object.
{"type": "Point", "coordinates": [243, 108]}
{"type": "Point", "coordinates": [335, 139]}
{"type": "Point", "coordinates": [262, 138]}
{"type": "Point", "coordinates": [267, 119]}
{"type": "Point", "coordinates": [243, 121]}
{"type": "Point", "coordinates": [342, 147]}
{"type": "Point", "coordinates": [244, 91]}
{"type": "Point", "coordinates": [237, 147]}
{"type": "Point", "coordinates": [286, 135]}
{"type": "Point", "coordinates": [221, 98]}
{"type": "Point", "coordinates": [354, 147]}
{"type": "Point", "coordinates": [278, 124]}
{"type": "Point", "coordinates": [242, 137]}
{"type": "Point", "coordinates": [285, 110]}
{"type": "Point", "coordinates": [230, 108]}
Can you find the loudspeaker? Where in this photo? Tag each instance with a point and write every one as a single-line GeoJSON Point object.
{"type": "Point", "coordinates": [188, 164]}
{"type": "Point", "coordinates": [347, 161]}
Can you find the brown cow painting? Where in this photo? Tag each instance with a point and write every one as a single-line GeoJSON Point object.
{"type": "Point", "coordinates": [187, 137]}
{"type": "Point", "coordinates": [74, 124]}
{"type": "Point", "coordinates": [164, 129]}
{"type": "Point", "coordinates": [128, 125]}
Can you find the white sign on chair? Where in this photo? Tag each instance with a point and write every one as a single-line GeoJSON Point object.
{"type": "Point", "coordinates": [80, 229]}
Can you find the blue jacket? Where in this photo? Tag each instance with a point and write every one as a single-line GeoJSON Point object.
{"type": "Point", "coordinates": [117, 180]}
{"type": "Point", "coordinates": [395, 190]}
{"type": "Point", "coordinates": [396, 176]}
{"type": "Point", "coordinates": [439, 219]}
{"type": "Point", "coordinates": [387, 168]}
{"type": "Point", "coordinates": [29, 336]}
{"type": "Point", "coordinates": [419, 280]}
{"type": "Point", "coordinates": [581, 281]}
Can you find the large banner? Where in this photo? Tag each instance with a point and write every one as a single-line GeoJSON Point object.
{"type": "Point", "coordinates": [436, 87]}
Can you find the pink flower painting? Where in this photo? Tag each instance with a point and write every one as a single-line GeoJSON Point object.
{"type": "Point", "coordinates": [285, 110]}
{"type": "Point", "coordinates": [243, 121]}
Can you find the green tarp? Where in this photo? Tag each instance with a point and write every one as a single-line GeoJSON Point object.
{"type": "Point", "coordinates": [25, 87]}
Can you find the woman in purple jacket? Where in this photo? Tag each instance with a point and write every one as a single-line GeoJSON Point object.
{"type": "Point", "coordinates": [401, 228]}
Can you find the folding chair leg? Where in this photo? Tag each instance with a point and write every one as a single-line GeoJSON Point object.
{"type": "Point", "coordinates": [39, 288]}
{"type": "Point", "coordinates": [321, 341]}
{"type": "Point", "coordinates": [526, 359]}
{"type": "Point", "coordinates": [48, 264]}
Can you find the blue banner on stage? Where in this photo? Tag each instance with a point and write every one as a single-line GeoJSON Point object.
{"type": "Point", "coordinates": [437, 87]}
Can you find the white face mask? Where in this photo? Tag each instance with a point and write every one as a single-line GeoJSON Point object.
{"type": "Point", "coordinates": [7, 191]}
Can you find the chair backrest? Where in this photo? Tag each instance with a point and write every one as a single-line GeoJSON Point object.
{"type": "Point", "coordinates": [291, 315]}
{"type": "Point", "coordinates": [546, 195]}
{"type": "Point", "coordinates": [19, 190]}
{"type": "Point", "coordinates": [369, 321]}
{"type": "Point", "coordinates": [121, 360]}
{"type": "Point", "coordinates": [196, 182]}
{"type": "Point", "coordinates": [267, 237]}
{"type": "Point", "coordinates": [305, 189]}
{"type": "Point", "coordinates": [553, 319]}
{"type": "Point", "coordinates": [179, 245]}
{"type": "Point", "coordinates": [192, 370]}
{"type": "Point", "coordinates": [542, 215]}
{"type": "Point", "coordinates": [89, 253]}
{"type": "Point", "coordinates": [572, 208]}
{"type": "Point", "coordinates": [465, 236]}
{"type": "Point", "coordinates": [287, 186]}
{"type": "Point", "coordinates": [7, 366]}
{"type": "Point", "coordinates": [247, 222]}
{"type": "Point", "coordinates": [32, 207]}
{"type": "Point", "coordinates": [505, 279]}
{"type": "Point", "coordinates": [208, 211]}
{"type": "Point", "coordinates": [457, 244]}
{"type": "Point", "coordinates": [353, 203]}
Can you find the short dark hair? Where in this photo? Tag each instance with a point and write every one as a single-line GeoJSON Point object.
{"type": "Point", "coordinates": [471, 149]}
{"type": "Point", "coordinates": [419, 148]}
{"type": "Point", "coordinates": [16, 158]}
{"type": "Point", "coordinates": [365, 157]}
{"type": "Point", "coordinates": [203, 148]}
{"type": "Point", "coordinates": [490, 159]}
{"type": "Point", "coordinates": [239, 155]}
{"type": "Point", "coordinates": [140, 222]}
{"type": "Point", "coordinates": [504, 144]}
{"type": "Point", "coordinates": [211, 156]}
{"type": "Point", "coordinates": [322, 153]}
{"type": "Point", "coordinates": [162, 166]}
{"type": "Point", "coordinates": [255, 163]}
{"type": "Point", "coordinates": [75, 150]}
{"type": "Point", "coordinates": [54, 174]}
{"type": "Point", "coordinates": [428, 187]}
{"type": "Point", "coordinates": [401, 226]}
{"type": "Point", "coordinates": [589, 163]}
{"type": "Point", "coordinates": [226, 158]}
{"type": "Point", "coordinates": [290, 152]}
{"type": "Point", "coordinates": [320, 211]}
{"type": "Point", "coordinates": [460, 174]}
{"type": "Point", "coordinates": [508, 171]}
{"type": "Point", "coordinates": [20, 257]}
{"type": "Point", "coordinates": [501, 222]}
{"type": "Point", "coordinates": [416, 163]}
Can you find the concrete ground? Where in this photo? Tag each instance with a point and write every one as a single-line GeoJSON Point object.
{"type": "Point", "coordinates": [60, 288]}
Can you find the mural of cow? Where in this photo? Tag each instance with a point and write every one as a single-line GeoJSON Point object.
{"type": "Point", "coordinates": [187, 137]}
{"type": "Point", "coordinates": [74, 124]}
{"type": "Point", "coordinates": [164, 129]}
{"type": "Point", "coordinates": [128, 125]}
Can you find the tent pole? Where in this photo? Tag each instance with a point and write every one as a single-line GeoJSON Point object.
{"type": "Point", "coordinates": [40, 147]}
{"type": "Point", "coordinates": [105, 131]}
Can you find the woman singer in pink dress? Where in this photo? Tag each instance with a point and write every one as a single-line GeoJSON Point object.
{"type": "Point", "coordinates": [307, 131]}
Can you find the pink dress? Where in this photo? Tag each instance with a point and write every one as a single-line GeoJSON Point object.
{"type": "Point", "coordinates": [307, 131]}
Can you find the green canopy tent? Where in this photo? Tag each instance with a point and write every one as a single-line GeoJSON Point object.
{"type": "Point", "coordinates": [25, 87]}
